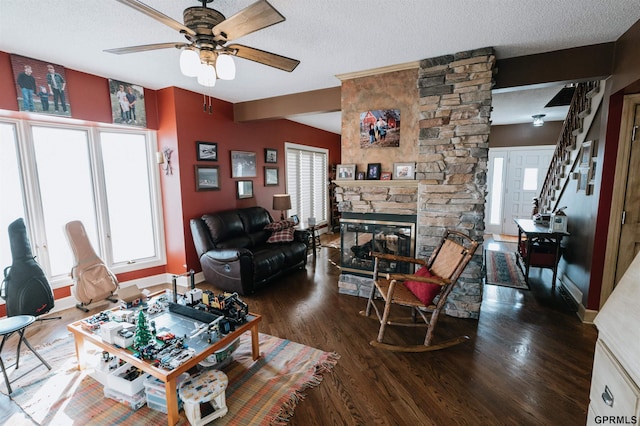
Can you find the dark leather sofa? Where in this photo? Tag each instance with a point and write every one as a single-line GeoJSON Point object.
{"type": "Point", "coordinates": [234, 253]}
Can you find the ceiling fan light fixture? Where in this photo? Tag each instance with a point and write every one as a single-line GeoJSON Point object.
{"type": "Point", "coordinates": [207, 75]}
{"type": "Point", "coordinates": [538, 120]}
{"type": "Point", "coordinates": [225, 67]}
{"type": "Point", "coordinates": [189, 63]}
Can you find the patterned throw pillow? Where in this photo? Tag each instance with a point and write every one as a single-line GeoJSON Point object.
{"type": "Point", "coordinates": [281, 236]}
{"type": "Point", "coordinates": [279, 225]}
{"type": "Point", "coordinates": [424, 291]}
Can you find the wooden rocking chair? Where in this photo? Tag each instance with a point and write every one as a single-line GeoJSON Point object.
{"type": "Point", "coordinates": [432, 283]}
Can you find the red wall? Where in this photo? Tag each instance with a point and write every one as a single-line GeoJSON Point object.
{"type": "Point", "coordinates": [179, 118]}
{"type": "Point", "coordinates": [193, 124]}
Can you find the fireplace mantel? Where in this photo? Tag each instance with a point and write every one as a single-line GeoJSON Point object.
{"type": "Point", "coordinates": [382, 183]}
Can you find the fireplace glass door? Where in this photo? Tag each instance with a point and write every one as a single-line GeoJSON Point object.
{"type": "Point", "coordinates": [360, 237]}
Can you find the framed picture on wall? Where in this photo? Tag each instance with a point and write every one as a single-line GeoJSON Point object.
{"type": "Point", "coordinates": [270, 155]}
{"type": "Point", "coordinates": [585, 154]}
{"type": "Point", "coordinates": [243, 164]}
{"type": "Point", "coordinates": [127, 103]}
{"type": "Point", "coordinates": [244, 189]}
{"type": "Point", "coordinates": [270, 176]}
{"type": "Point", "coordinates": [380, 128]}
{"type": "Point", "coordinates": [41, 87]}
{"type": "Point", "coordinates": [207, 178]}
{"type": "Point", "coordinates": [207, 151]}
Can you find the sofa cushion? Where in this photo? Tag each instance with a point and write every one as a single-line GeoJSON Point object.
{"type": "Point", "coordinates": [294, 252]}
{"type": "Point", "coordinates": [254, 219]}
{"type": "Point", "coordinates": [282, 236]}
{"type": "Point", "coordinates": [267, 262]}
{"type": "Point", "coordinates": [224, 226]}
{"type": "Point", "coordinates": [243, 241]}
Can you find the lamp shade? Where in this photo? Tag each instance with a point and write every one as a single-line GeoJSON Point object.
{"type": "Point", "coordinates": [225, 67]}
{"type": "Point", "coordinates": [189, 63]}
{"type": "Point", "coordinates": [281, 202]}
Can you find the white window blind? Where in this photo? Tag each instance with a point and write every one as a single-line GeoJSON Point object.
{"type": "Point", "coordinates": [307, 183]}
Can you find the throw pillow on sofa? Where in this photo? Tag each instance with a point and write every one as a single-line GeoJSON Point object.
{"type": "Point", "coordinates": [282, 231]}
{"type": "Point", "coordinates": [281, 236]}
{"type": "Point", "coordinates": [279, 225]}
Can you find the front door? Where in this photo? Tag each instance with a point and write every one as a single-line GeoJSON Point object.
{"type": "Point", "coordinates": [515, 178]}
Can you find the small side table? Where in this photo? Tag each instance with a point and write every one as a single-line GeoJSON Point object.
{"type": "Point", "coordinates": [203, 396]}
{"type": "Point", "coordinates": [315, 238]}
{"type": "Point", "coordinates": [11, 325]}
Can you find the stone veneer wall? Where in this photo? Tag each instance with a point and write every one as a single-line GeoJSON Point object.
{"type": "Point", "coordinates": [445, 129]}
{"type": "Point", "coordinates": [455, 107]}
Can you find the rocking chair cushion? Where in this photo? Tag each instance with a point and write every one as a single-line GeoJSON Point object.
{"type": "Point", "coordinates": [424, 291]}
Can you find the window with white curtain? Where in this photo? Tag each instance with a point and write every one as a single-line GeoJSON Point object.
{"type": "Point", "coordinates": [107, 179]}
{"type": "Point", "coordinates": [307, 181]}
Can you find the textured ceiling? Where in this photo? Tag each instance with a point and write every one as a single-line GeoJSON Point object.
{"type": "Point", "coordinates": [329, 37]}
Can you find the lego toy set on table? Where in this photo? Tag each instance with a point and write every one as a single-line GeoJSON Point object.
{"type": "Point", "coordinates": [167, 334]}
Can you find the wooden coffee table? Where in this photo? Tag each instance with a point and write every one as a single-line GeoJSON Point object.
{"type": "Point", "coordinates": [167, 376]}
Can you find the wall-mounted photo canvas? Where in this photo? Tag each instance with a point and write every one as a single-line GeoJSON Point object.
{"type": "Point", "coordinates": [380, 128]}
{"type": "Point", "coordinates": [127, 103]}
{"type": "Point", "coordinates": [41, 86]}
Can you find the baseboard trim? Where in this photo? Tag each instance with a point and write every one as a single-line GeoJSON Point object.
{"type": "Point", "coordinates": [585, 315]}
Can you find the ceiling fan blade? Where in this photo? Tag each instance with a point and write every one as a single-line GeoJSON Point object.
{"type": "Point", "coordinates": [266, 58]}
{"type": "Point", "coordinates": [255, 17]}
{"type": "Point", "coordinates": [159, 16]}
{"type": "Point", "coordinates": [145, 47]}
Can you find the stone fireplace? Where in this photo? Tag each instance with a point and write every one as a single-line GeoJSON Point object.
{"type": "Point", "coordinates": [445, 104]}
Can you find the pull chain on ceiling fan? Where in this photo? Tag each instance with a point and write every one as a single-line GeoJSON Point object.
{"type": "Point", "coordinates": [207, 56]}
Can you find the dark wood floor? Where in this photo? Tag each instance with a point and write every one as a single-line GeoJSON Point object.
{"type": "Point", "coordinates": [528, 361]}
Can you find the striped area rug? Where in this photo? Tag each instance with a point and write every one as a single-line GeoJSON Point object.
{"type": "Point", "coordinates": [503, 270]}
{"type": "Point", "coordinates": [264, 392]}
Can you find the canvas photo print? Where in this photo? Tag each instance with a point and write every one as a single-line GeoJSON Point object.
{"type": "Point", "coordinates": [380, 128]}
{"type": "Point", "coordinates": [127, 103]}
{"type": "Point", "coordinates": [41, 87]}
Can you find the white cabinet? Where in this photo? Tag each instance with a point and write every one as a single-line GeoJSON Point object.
{"type": "Point", "coordinates": [615, 381]}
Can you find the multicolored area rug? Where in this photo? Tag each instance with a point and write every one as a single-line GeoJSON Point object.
{"type": "Point", "coordinates": [502, 269]}
{"type": "Point", "coordinates": [263, 392]}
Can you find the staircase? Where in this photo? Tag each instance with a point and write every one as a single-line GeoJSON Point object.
{"type": "Point", "coordinates": [584, 105]}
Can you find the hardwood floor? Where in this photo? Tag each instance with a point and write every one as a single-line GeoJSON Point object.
{"type": "Point", "coordinates": [528, 361]}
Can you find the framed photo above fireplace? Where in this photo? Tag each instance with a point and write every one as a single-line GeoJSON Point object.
{"type": "Point", "coordinates": [346, 172]}
{"type": "Point", "coordinates": [373, 171]}
{"type": "Point", "coordinates": [404, 171]}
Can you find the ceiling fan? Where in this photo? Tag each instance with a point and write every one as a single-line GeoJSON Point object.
{"type": "Point", "coordinates": [208, 31]}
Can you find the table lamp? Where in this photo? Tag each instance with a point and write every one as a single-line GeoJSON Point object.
{"type": "Point", "coordinates": [281, 202]}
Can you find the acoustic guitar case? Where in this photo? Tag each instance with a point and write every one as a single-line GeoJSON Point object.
{"type": "Point", "coordinates": [93, 281]}
{"type": "Point", "coordinates": [25, 287]}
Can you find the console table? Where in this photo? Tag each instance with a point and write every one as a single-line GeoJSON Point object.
{"type": "Point", "coordinates": [167, 376]}
{"type": "Point", "coordinates": [537, 247]}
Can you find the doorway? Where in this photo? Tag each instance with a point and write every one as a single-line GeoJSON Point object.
{"type": "Point", "coordinates": [515, 176]}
